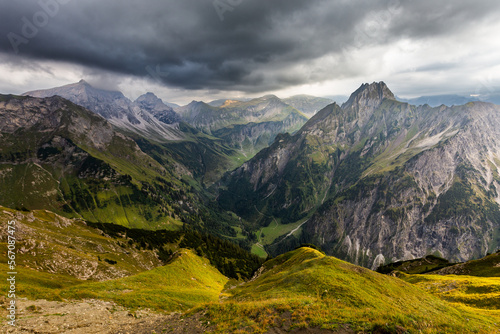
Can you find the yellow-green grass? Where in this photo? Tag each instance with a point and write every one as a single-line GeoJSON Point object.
{"type": "Point", "coordinates": [275, 229]}
{"type": "Point", "coordinates": [309, 289]}
{"type": "Point", "coordinates": [258, 250]}
{"type": "Point", "coordinates": [59, 245]}
{"type": "Point", "coordinates": [268, 234]}
{"type": "Point", "coordinates": [118, 208]}
{"type": "Point", "coordinates": [303, 288]}
{"type": "Point", "coordinates": [185, 282]}
{"type": "Point", "coordinates": [471, 291]}
{"type": "Point", "coordinates": [180, 285]}
{"type": "Point", "coordinates": [33, 284]}
{"type": "Point", "coordinates": [488, 266]}
{"type": "Point", "coordinates": [129, 216]}
{"type": "Point", "coordinates": [415, 266]}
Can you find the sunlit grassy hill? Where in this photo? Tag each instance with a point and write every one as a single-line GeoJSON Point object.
{"type": "Point", "coordinates": [47, 242]}
{"type": "Point", "coordinates": [305, 288]}
{"type": "Point", "coordinates": [488, 266]}
{"type": "Point", "coordinates": [475, 292]}
{"type": "Point", "coordinates": [185, 282]}
{"type": "Point", "coordinates": [302, 289]}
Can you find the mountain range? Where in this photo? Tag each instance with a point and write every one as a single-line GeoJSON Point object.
{"type": "Point", "coordinates": [247, 126]}
{"type": "Point", "coordinates": [377, 180]}
{"type": "Point", "coordinates": [452, 99]}
{"type": "Point", "coordinates": [141, 203]}
{"type": "Point", "coordinates": [147, 116]}
{"type": "Point", "coordinates": [373, 181]}
{"type": "Point", "coordinates": [222, 136]}
{"type": "Point", "coordinates": [59, 156]}
{"type": "Point", "coordinates": [437, 100]}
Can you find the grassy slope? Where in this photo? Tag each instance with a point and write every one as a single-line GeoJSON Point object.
{"type": "Point", "coordinates": [55, 244]}
{"type": "Point", "coordinates": [415, 266]}
{"type": "Point", "coordinates": [311, 289]}
{"type": "Point", "coordinates": [302, 288]}
{"type": "Point", "coordinates": [270, 234]}
{"type": "Point", "coordinates": [185, 282]}
{"type": "Point", "coordinates": [50, 177]}
{"type": "Point", "coordinates": [470, 292]}
{"type": "Point", "coordinates": [33, 284]}
{"type": "Point", "coordinates": [51, 243]}
{"type": "Point", "coordinates": [488, 266]}
{"type": "Point", "coordinates": [475, 284]}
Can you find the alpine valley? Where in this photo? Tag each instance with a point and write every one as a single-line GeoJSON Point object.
{"type": "Point", "coordinates": [377, 180]}
{"type": "Point", "coordinates": [261, 215]}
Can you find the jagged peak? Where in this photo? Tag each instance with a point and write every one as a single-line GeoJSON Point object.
{"type": "Point", "coordinates": [89, 88]}
{"type": "Point", "coordinates": [373, 93]}
{"type": "Point", "coordinates": [320, 116]}
{"type": "Point", "coordinates": [149, 96]}
{"type": "Point", "coordinates": [268, 97]}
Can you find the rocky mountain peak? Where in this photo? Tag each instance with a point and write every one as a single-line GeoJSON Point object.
{"type": "Point", "coordinates": [196, 104]}
{"type": "Point", "coordinates": [154, 105]}
{"type": "Point", "coordinates": [148, 97]}
{"type": "Point", "coordinates": [369, 95]}
{"type": "Point", "coordinates": [269, 97]}
{"type": "Point", "coordinates": [119, 110]}
{"type": "Point", "coordinates": [151, 101]}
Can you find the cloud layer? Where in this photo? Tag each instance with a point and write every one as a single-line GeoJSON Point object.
{"type": "Point", "coordinates": [255, 46]}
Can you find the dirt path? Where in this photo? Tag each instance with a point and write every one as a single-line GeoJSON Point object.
{"type": "Point", "coordinates": [94, 316]}
{"type": "Point", "coordinates": [100, 317]}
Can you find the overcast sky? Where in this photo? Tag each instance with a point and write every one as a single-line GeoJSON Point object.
{"type": "Point", "coordinates": [185, 50]}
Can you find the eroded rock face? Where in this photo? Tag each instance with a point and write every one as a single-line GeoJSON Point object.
{"type": "Point", "coordinates": [390, 181]}
{"type": "Point", "coordinates": [54, 114]}
{"type": "Point", "coordinates": [155, 106]}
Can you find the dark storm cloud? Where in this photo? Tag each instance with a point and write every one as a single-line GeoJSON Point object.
{"type": "Point", "coordinates": [248, 45]}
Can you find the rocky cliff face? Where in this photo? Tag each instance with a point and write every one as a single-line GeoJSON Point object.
{"type": "Point", "coordinates": [381, 180]}
{"type": "Point", "coordinates": [45, 115]}
{"type": "Point", "coordinates": [155, 106]}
